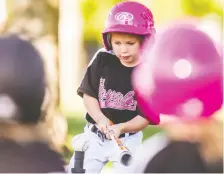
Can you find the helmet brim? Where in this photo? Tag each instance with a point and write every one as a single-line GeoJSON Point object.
{"type": "Point", "coordinates": [131, 29]}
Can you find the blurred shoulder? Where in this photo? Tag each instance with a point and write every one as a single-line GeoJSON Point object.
{"type": "Point", "coordinates": [40, 157]}
{"type": "Point", "coordinates": [148, 150]}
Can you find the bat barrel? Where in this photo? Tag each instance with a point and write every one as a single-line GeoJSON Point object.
{"type": "Point", "coordinates": [126, 158]}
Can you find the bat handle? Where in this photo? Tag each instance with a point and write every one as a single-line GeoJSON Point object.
{"type": "Point", "coordinates": [118, 142]}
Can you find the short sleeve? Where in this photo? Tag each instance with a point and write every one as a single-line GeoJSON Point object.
{"type": "Point", "coordinates": [90, 82]}
{"type": "Point", "coordinates": [140, 113]}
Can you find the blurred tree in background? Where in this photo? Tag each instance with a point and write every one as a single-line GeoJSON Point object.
{"type": "Point", "coordinates": [94, 14]}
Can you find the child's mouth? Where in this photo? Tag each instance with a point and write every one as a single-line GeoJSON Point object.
{"type": "Point", "coordinates": [125, 57]}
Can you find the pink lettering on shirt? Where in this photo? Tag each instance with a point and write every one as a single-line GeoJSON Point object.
{"type": "Point", "coordinates": [116, 100]}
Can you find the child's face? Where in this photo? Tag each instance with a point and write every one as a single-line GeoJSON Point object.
{"type": "Point", "coordinates": [126, 47]}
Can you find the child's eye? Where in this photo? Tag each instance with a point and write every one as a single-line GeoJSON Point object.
{"type": "Point", "coordinates": [117, 43]}
{"type": "Point", "coordinates": [131, 43]}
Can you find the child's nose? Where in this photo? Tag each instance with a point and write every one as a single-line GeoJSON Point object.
{"type": "Point", "coordinates": [124, 49]}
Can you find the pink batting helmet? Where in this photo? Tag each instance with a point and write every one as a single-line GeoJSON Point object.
{"type": "Point", "coordinates": [128, 17]}
{"type": "Point", "coordinates": [182, 76]}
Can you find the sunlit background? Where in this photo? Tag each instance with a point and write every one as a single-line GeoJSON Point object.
{"type": "Point", "coordinates": [68, 33]}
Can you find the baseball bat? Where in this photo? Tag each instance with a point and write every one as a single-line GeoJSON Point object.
{"type": "Point", "coordinates": [125, 156]}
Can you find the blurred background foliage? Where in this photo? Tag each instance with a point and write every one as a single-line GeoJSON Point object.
{"type": "Point", "coordinates": [68, 33]}
{"type": "Point", "coordinates": [200, 8]}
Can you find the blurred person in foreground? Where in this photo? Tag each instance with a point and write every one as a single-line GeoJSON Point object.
{"type": "Point", "coordinates": [24, 146]}
{"type": "Point", "coordinates": [184, 84]}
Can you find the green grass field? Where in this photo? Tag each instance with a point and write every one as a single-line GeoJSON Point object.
{"type": "Point", "coordinates": [76, 125]}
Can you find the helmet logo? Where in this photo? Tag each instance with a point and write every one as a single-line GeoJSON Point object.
{"type": "Point", "coordinates": [124, 16]}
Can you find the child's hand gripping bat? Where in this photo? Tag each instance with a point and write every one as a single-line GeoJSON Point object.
{"type": "Point", "coordinates": [125, 155]}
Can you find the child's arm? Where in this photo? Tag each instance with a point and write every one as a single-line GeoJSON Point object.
{"type": "Point", "coordinates": [92, 106]}
{"type": "Point", "coordinates": [136, 124]}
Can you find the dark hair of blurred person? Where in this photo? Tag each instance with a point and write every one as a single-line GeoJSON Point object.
{"type": "Point", "coordinates": [24, 145]}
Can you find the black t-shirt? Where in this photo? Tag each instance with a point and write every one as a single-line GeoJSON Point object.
{"type": "Point", "coordinates": [33, 157]}
{"type": "Point", "coordinates": [109, 82]}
